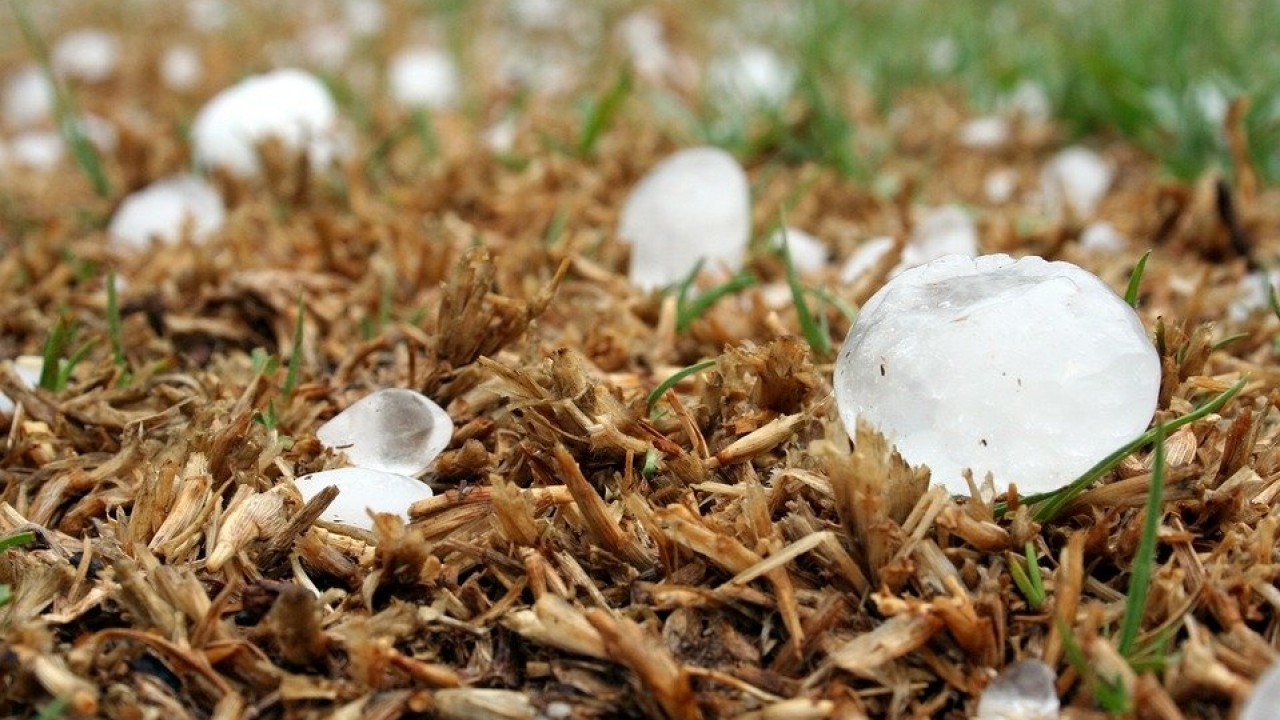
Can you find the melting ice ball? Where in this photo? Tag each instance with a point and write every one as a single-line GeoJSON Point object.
{"type": "Point", "coordinates": [1265, 698]}
{"type": "Point", "coordinates": [1022, 691]}
{"type": "Point", "coordinates": [289, 105]}
{"type": "Point", "coordinates": [361, 490]}
{"type": "Point", "coordinates": [164, 210]}
{"type": "Point", "coordinates": [1030, 370]}
{"type": "Point", "coordinates": [393, 430]}
{"type": "Point", "coordinates": [694, 205]}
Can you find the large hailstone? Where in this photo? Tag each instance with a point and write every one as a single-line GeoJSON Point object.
{"type": "Point", "coordinates": [694, 205]}
{"type": "Point", "coordinates": [1032, 371]}
{"type": "Point", "coordinates": [361, 491]}
{"type": "Point", "coordinates": [289, 105]}
{"type": "Point", "coordinates": [424, 77]}
{"type": "Point", "coordinates": [163, 210]}
{"type": "Point", "coordinates": [393, 430]}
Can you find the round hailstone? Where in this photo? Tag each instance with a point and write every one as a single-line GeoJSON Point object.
{"type": "Point", "coordinates": [864, 258]}
{"type": "Point", "coordinates": [392, 430]}
{"type": "Point", "coordinates": [28, 98]}
{"type": "Point", "coordinates": [89, 55]}
{"type": "Point", "coordinates": [289, 105]}
{"type": "Point", "coordinates": [360, 491]}
{"type": "Point", "coordinates": [180, 68]}
{"type": "Point", "coordinates": [1000, 184]}
{"type": "Point", "coordinates": [645, 40]}
{"type": "Point", "coordinates": [1102, 236]}
{"type": "Point", "coordinates": [163, 210]}
{"type": "Point", "coordinates": [1265, 697]}
{"type": "Point", "coordinates": [1030, 370]}
{"type": "Point", "coordinates": [36, 149]}
{"type": "Point", "coordinates": [1075, 181]}
{"type": "Point", "coordinates": [365, 17]}
{"type": "Point", "coordinates": [984, 133]}
{"type": "Point", "coordinates": [808, 253]}
{"type": "Point", "coordinates": [754, 76]}
{"type": "Point", "coordinates": [1024, 690]}
{"type": "Point", "coordinates": [28, 368]}
{"type": "Point", "coordinates": [694, 205]}
{"type": "Point", "coordinates": [946, 230]}
{"type": "Point", "coordinates": [424, 77]}
{"type": "Point", "coordinates": [1253, 293]}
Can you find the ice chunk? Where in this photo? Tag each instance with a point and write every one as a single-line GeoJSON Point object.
{"type": "Point", "coordinates": [28, 97]}
{"type": "Point", "coordinates": [424, 77]}
{"type": "Point", "coordinates": [645, 40]}
{"type": "Point", "coordinates": [1252, 293]}
{"type": "Point", "coordinates": [162, 210]}
{"type": "Point", "coordinates": [1264, 702]}
{"type": "Point", "coordinates": [1000, 184]}
{"type": "Point", "coordinates": [90, 55]}
{"type": "Point", "coordinates": [1030, 370]}
{"type": "Point", "coordinates": [864, 258]}
{"type": "Point", "coordinates": [289, 105]}
{"type": "Point", "coordinates": [754, 76]}
{"type": "Point", "coordinates": [1074, 182]}
{"type": "Point", "coordinates": [28, 368]}
{"type": "Point", "coordinates": [693, 205]}
{"type": "Point", "coordinates": [361, 490]}
{"type": "Point", "coordinates": [36, 149]}
{"type": "Point", "coordinates": [392, 430]}
{"type": "Point", "coordinates": [808, 253]}
{"type": "Point", "coordinates": [180, 68]}
{"type": "Point", "coordinates": [1102, 236]}
{"type": "Point", "coordinates": [984, 133]}
{"type": "Point", "coordinates": [1024, 690]}
{"type": "Point", "coordinates": [945, 230]}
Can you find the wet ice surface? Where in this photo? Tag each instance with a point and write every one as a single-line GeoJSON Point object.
{"type": "Point", "coordinates": [361, 490]}
{"type": "Point", "coordinates": [1030, 370]}
{"type": "Point", "coordinates": [1022, 691]}
{"type": "Point", "coordinates": [1264, 702]}
{"type": "Point", "coordinates": [164, 210]}
{"type": "Point", "coordinates": [693, 205]}
{"type": "Point", "coordinates": [392, 430]}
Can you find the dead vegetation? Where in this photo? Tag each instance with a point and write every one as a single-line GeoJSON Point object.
{"type": "Point", "coordinates": [726, 552]}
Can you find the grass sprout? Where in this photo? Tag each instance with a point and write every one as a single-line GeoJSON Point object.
{"type": "Point", "coordinates": [818, 338]}
{"type": "Point", "coordinates": [690, 309]}
{"type": "Point", "coordinates": [1029, 580]}
{"type": "Point", "coordinates": [57, 365]}
{"type": "Point", "coordinates": [675, 379]}
{"type": "Point", "coordinates": [115, 329]}
{"type": "Point", "coordinates": [1139, 579]}
{"type": "Point", "coordinates": [602, 112]}
{"type": "Point", "coordinates": [1135, 280]}
{"type": "Point", "coordinates": [295, 353]}
{"type": "Point", "coordinates": [17, 539]}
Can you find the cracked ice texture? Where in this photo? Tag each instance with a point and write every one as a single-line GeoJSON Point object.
{"type": "Point", "coordinates": [693, 205]}
{"type": "Point", "coordinates": [1022, 691]}
{"type": "Point", "coordinates": [1030, 370]}
{"type": "Point", "coordinates": [393, 430]}
{"type": "Point", "coordinates": [361, 490]}
{"type": "Point", "coordinates": [289, 105]}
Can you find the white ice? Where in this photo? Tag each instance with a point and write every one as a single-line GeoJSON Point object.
{"type": "Point", "coordinates": [693, 205]}
{"type": "Point", "coordinates": [181, 68]}
{"type": "Point", "coordinates": [28, 368]}
{"type": "Point", "coordinates": [28, 97]}
{"type": "Point", "coordinates": [90, 55]}
{"type": "Point", "coordinates": [163, 210]}
{"type": "Point", "coordinates": [752, 77]}
{"type": "Point", "coordinates": [361, 490]}
{"type": "Point", "coordinates": [808, 253]}
{"type": "Point", "coordinates": [1030, 370]}
{"type": "Point", "coordinates": [424, 77]}
{"type": "Point", "coordinates": [984, 133]}
{"type": "Point", "coordinates": [1263, 702]}
{"type": "Point", "coordinates": [1074, 182]}
{"type": "Point", "coordinates": [1024, 690]}
{"type": "Point", "coordinates": [391, 430]}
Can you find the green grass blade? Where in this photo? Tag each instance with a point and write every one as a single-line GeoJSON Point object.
{"type": "Point", "coordinates": [1024, 584]}
{"type": "Point", "coordinates": [819, 341]}
{"type": "Point", "coordinates": [1033, 572]}
{"type": "Point", "coordinates": [64, 108]}
{"type": "Point", "coordinates": [1050, 504]}
{"type": "Point", "coordinates": [689, 311]}
{"type": "Point", "coordinates": [55, 344]}
{"type": "Point", "coordinates": [1224, 342]}
{"type": "Point", "coordinates": [295, 353]}
{"type": "Point", "coordinates": [603, 112]}
{"type": "Point", "coordinates": [1272, 299]}
{"type": "Point", "coordinates": [18, 539]}
{"type": "Point", "coordinates": [53, 709]}
{"type": "Point", "coordinates": [1135, 280]}
{"type": "Point", "coordinates": [849, 312]}
{"type": "Point", "coordinates": [675, 378]}
{"type": "Point", "coordinates": [1140, 577]}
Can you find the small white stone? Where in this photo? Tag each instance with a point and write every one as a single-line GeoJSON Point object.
{"type": "Point", "coordinates": [90, 55]}
{"type": "Point", "coordinates": [163, 210]}
{"type": "Point", "coordinates": [392, 430]}
{"type": "Point", "coordinates": [808, 253]}
{"type": "Point", "coordinates": [1025, 690]}
{"type": "Point", "coordinates": [28, 98]}
{"type": "Point", "coordinates": [864, 258]}
{"type": "Point", "coordinates": [424, 77]}
{"type": "Point", "coordinates": [754, 76]}
{"type": "Point", "coordinates": [29, 368]}
{"type": "Point", "coordinates": [1102, 236]}
{"type": "Point", "coordinates": [181, 68]}
{"type": "Point", "coordinates": [361, 491]}
{"type": "Point", "coordinates": [999, 185]}
{"type": "Point", "coordinates": [1263, 702]}
{"type": "Point", "coordinates": [289, 105]}
{"type": "Point", "coordinates": [1030, 370]}
{"type": "Point", "coordinates": [1075, 181]}
{"type": "Point", "coordinates": [694, 205]}
{"type": "Point", "coordinates": [984, 133]}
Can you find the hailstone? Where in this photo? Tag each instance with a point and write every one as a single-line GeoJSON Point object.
{"type": "Point", "coordinates": [361, 490]}
{"type": "Point", "coordinates": [1030, 370]}
{"type": "Point", "coordinates": [392, 430]}
{"type": "Point", "coordinates": [162, 210]}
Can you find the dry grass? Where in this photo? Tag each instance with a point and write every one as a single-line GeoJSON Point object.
{"type": "Point", "coordinates": [764, 570]}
